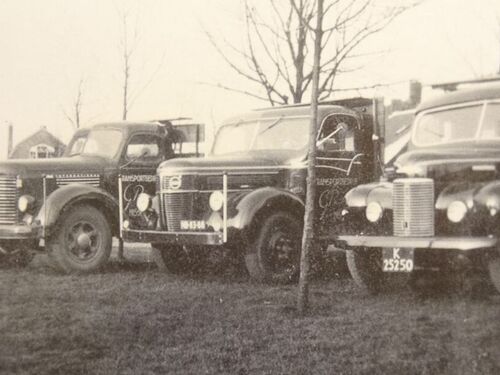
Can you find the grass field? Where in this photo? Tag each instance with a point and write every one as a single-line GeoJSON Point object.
{"type": "Point", "coordinates": [132, 319]}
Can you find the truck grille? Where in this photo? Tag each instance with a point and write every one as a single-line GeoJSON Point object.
{"type": "Point", "coordinates": [8, 200]}
{"type": "Point", "coordinates": [174, 208]}
{"type": "Point", "coordinates": [413, 207]}
{"type": "Point", "coordinates": [177, 197]}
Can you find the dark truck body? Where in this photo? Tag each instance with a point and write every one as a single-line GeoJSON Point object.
{"type": "Point", "coordinates": [440, 205]}
{"type": "Point", "coordinates": [38, 196]}
{"type": "Point", "coordinates": [226, 199]}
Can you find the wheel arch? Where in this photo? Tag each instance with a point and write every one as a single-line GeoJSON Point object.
{"type": "Point", "coordinates": [64, 198]}
{"type": "Point", "coordinates": [260, 203]}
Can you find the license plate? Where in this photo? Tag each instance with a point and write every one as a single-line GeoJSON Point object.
{"type": "Point", "coordinates": [397, 259]}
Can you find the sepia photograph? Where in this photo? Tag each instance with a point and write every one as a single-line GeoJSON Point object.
{"type": "Point", "coordinates": [250, 187]}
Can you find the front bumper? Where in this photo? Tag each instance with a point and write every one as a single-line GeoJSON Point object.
{"type": "Point", "coordinates": [20, 232]}
{"type": "Point", "coordinates": [181, 238]}
{"type": "Point", "coordinates": [455, 243]}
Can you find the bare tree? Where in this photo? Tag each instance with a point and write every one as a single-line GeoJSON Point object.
{"type": "Point", "coordinates": [275, 55]}
{"type": "Point", "coordinates": [129, 44]}
{"type": "Point", "coordinates": [308, 241]}
{"type": "Point", "coordinates": [497, 16]}
{"type": "Point", "coordinates": [74, 115]}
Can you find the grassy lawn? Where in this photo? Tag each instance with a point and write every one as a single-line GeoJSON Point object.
{"type": "Point", "coordinates": [132, 319]}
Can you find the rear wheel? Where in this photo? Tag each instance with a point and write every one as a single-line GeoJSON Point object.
{"type": "Point", "coordinates": [81, 242]}
{"type": "Point", "coordinates": [274, 257]}
{"type": "Point", "coordinates": [365, 266]}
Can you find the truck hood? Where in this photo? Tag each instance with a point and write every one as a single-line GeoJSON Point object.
{"type": "Point", "coordinates": [465, 156]}
{"type": "Point", "coordinates": [236, 161]}
{"type": "Point", "coordinates": [38, 167]}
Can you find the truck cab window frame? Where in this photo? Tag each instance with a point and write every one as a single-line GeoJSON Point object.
{"type": "Point", "coordinates": [143, 141]}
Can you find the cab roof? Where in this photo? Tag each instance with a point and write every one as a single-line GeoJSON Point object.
{"type": "Point", "coordinates": [130, 126]}
{"type": "Point", "coordinates": [291, 111]}
{"type": "Point", "coordinates": [475, 93]}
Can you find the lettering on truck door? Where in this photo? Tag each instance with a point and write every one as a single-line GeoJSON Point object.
{"type": "Point", "coordinates": [338, 163]}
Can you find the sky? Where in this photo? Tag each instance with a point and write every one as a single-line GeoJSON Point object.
{"type": "Point", "coordinates": [47, 47]}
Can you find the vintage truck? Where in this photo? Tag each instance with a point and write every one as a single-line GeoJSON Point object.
{"type": "Point", "coordinates": [440, 208]}
{"type": "Point", "coordinates": [247, 196]}
{"type": "Point", "coordinates": [69, 206]}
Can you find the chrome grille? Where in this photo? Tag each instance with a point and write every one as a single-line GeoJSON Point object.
{"type": "Point", "coordinates": [413, 207]}
{"type": "Point", "coordinates": [176, 200]}
{"type": "Point", "coordinates": [8, 200]}
{"type": "Point", "coordinates": [174, 208]}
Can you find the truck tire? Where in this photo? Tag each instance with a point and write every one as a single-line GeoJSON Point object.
{"type": "Point", "coordinates": [175, 259]}
{"type": "Point", "coordinates": [494, 272]}
{"type": "Point", "coordinates": [81, 242]}
{"type": "Point", "coordinates": [365, 267]}
{"type": "Point", "coordinates": [274, 256]}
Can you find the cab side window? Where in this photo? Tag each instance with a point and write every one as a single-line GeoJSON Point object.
{"type": "Point", "coordinates": [143, 147]}
{"type": "Point", "coordinates": [337, 133]}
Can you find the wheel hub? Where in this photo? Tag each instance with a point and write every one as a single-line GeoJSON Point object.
{"type": "Point", "coordinates": [281, 246]}
{"type": "Point", "coordinates": [83, 240]}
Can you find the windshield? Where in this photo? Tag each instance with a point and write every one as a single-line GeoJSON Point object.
{"type": "Point", "coordinates": [77, 147]}
{"type": "Point", "coordinates": [458, 124]}
{"type": "Point", "coordinates": [266, 134]}
{"type": "Point", "coordinates": [103, 142]}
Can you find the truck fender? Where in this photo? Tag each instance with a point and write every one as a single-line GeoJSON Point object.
{"type": "Point", "coordinates": [361, 195]}
{"type": "Point", "coordinates": [463, 191]}
{"type": "Point", "coordinates": [489, 196]}
{"type": "Point", "coordinates": [67, 196]}
{"type": "Point", "coordinates": [257, 203]}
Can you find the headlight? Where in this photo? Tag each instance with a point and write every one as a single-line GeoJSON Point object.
{"type": "Point", "coordinates": [456, 211]}
{"type": "Point", "coordinates": [216, 200]}
{"type": "Point", "coordinates": [374, 212]}
{"type": "Point", "coordinates": [25, 202]}
{"type": "Point", "coordinates": [143, 202]}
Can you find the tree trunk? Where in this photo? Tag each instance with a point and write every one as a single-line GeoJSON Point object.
{"type": "Point", "coordinates": [308, 240]}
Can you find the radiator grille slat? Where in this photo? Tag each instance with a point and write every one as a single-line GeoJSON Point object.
{"type": "Point", "coordinates": [413, 207]}
{"type": "Point", "coordinates": [66, 179]}
{"type": "Point", "coordinates": [176, 200]}
{"type": "Point", "coordinates": [8, 200]}
{"type": "Point", "coordinates": [176, 207]}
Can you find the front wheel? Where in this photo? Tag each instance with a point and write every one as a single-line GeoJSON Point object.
{"type": "Point", "coordinates": [274, 256]}
{"type": "Point", "coordinates": [365, 266]}
{"type": "Point", "coordinates": [81, 242]}
{"type": "Point", "coordinates": [494, 272]}
{"type": "Point", "coordinates": [176, 259]}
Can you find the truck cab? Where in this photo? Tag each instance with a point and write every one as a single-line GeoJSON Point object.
{"type": "Point", "coordinates": [247, 196]}
{"type": "Point", "coordinates": [439, 207]}
{"type": "Point", "coordinates": [68, 206]}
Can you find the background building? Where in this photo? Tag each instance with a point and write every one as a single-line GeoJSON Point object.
{"type": "Point", "coordinates": [40, 145]}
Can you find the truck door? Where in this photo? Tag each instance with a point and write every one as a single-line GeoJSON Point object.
{"type": "Point", "coordinates": [141, 157]}
{"type": "Point", "coordinates": [339, 162]}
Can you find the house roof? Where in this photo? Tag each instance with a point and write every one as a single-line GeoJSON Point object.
{"type": "Point", "coordinates": [41, 136]}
